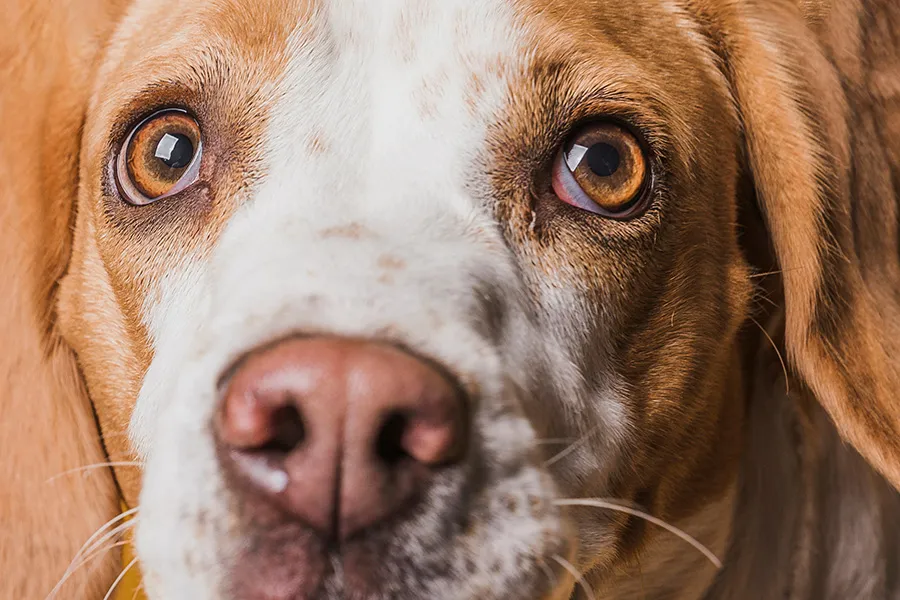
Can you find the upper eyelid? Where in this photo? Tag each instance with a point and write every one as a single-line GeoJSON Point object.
{"type": "Point", "coordinates": [652, 138]}
{"type": "Point", "coordinates": [120, 133]}
{"type": "Point", "coordinates": [565, 114]}
{"type": "Point", "coordinates": [187, 87]}
{"type": "Point", "coordinates": [151, 99]}
{"type": "Point", "coordinates": [568, 115]}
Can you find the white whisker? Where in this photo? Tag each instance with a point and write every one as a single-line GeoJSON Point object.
{"type": "Point", "coordinates": [606, 504]}
{"type": "Point", "coordinates": [554, 441]}
{"type": "Point", "coordinates": [89, 558]}
{"type": "Point", "coordinates": [787, 381]}
{"type": "Point", "coordinates": [92, 551]}
{"type": "Point", "coordinates": [137, 591]}
{"type": "Point", "coordinates": [120, 529]}
{"type": "Point", "coordinates": [577, 575]}
{"type": "Point", "coordinates": [118, 580]}
{"type": "Point", "coordinates": [97, 538]}
{"type": "Point", "coordinates": [97, 551]}
{"type": "Point", "coordinates": [572, 447]}
{"type": "Point", "coordinates": [551, 576]}
{"type": "Point", "coordinates": [124, 463]}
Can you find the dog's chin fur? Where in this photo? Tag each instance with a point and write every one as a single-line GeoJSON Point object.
{"type": "Point", "coordinates": [726, 360]}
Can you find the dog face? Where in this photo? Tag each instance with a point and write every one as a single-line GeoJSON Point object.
{"type": "Point", "coordinates": [521, 212]}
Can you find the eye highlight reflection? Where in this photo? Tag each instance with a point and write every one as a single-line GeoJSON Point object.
{"type": "Point", "coordinates": [159, 158]}
{"type": "Point", "coordinates": [601, 169]}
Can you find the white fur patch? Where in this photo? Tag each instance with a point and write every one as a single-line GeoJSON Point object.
{"type": "Point", "coordinates": [172, 315]}
{"type": "Point", "coordinates": [364, 225]}
{"type": "Point", "coordinates": [387, 171]}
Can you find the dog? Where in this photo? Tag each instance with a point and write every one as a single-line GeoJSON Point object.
{"type": "Point", "coordinates": [450, 299]}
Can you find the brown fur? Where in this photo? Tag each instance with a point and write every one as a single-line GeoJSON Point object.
{"type": "Point", "coordinates": [839, 314]}
{"type": "Point", "coordinates": [788, 108]}
{"type": "Point", "coordinates": [805, 136]}
{"type": "Point", "coordinates": [661, 325]}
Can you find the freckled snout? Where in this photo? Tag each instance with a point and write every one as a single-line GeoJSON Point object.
{"type": "Point", "coordinates": [337, 434]}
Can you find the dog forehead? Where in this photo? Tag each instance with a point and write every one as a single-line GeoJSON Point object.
{"type": "Point", "coordinates": [389, 89]}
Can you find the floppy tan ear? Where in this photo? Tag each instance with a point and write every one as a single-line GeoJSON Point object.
{"type": "Point", "coordinates": [47, 428]}
{"type": "Point", "coordinates": [823, 183]}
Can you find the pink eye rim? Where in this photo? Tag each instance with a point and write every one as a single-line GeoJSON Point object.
{"type": "Point", "coordinates": [620, 188]}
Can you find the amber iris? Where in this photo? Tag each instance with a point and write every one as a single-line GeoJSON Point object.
{"type": "Point", "coordinates": [606, 164]}
{"type": "Point", "coordinates": [159, 156]}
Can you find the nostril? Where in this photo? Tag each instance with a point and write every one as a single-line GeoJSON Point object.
{"type": "Point", "coordinates": [337, 434]}
{"type": "Point", "coordinates": [389, 443]}
{"type": "Point", "coordinates": [288, 430]}
{"type": "Point", "coordinates": [252, 420]}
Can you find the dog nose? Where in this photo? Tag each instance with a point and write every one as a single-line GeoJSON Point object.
{"type": "Point", "coordinates": [337, 433]}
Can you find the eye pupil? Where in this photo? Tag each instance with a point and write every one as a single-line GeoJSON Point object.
{"type": "Point", "coordinates": [175, 150]}
{"type": "Point", "coordinates": [159, 158]}
{"type": "Point", "coordinates": [602, 168]}
{"type": "Point", "coordinates": [603, 159]}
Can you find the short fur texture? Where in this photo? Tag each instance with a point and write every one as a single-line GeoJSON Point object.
{"type": "Point", "coordinates": [728, 361]}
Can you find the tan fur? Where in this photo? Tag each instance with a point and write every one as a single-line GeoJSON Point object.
{"type": "Point", "coordinates": [120, 255]}
{"type": "Point", "coordinates": [798, 102]}
{"type": "Point", "coordinates": [47, 52]}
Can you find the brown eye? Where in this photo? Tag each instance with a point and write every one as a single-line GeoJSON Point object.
{"type": "Point", "coordinates": [160, 157]}
{"type": "Point", "coordinates": [601, 169]}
